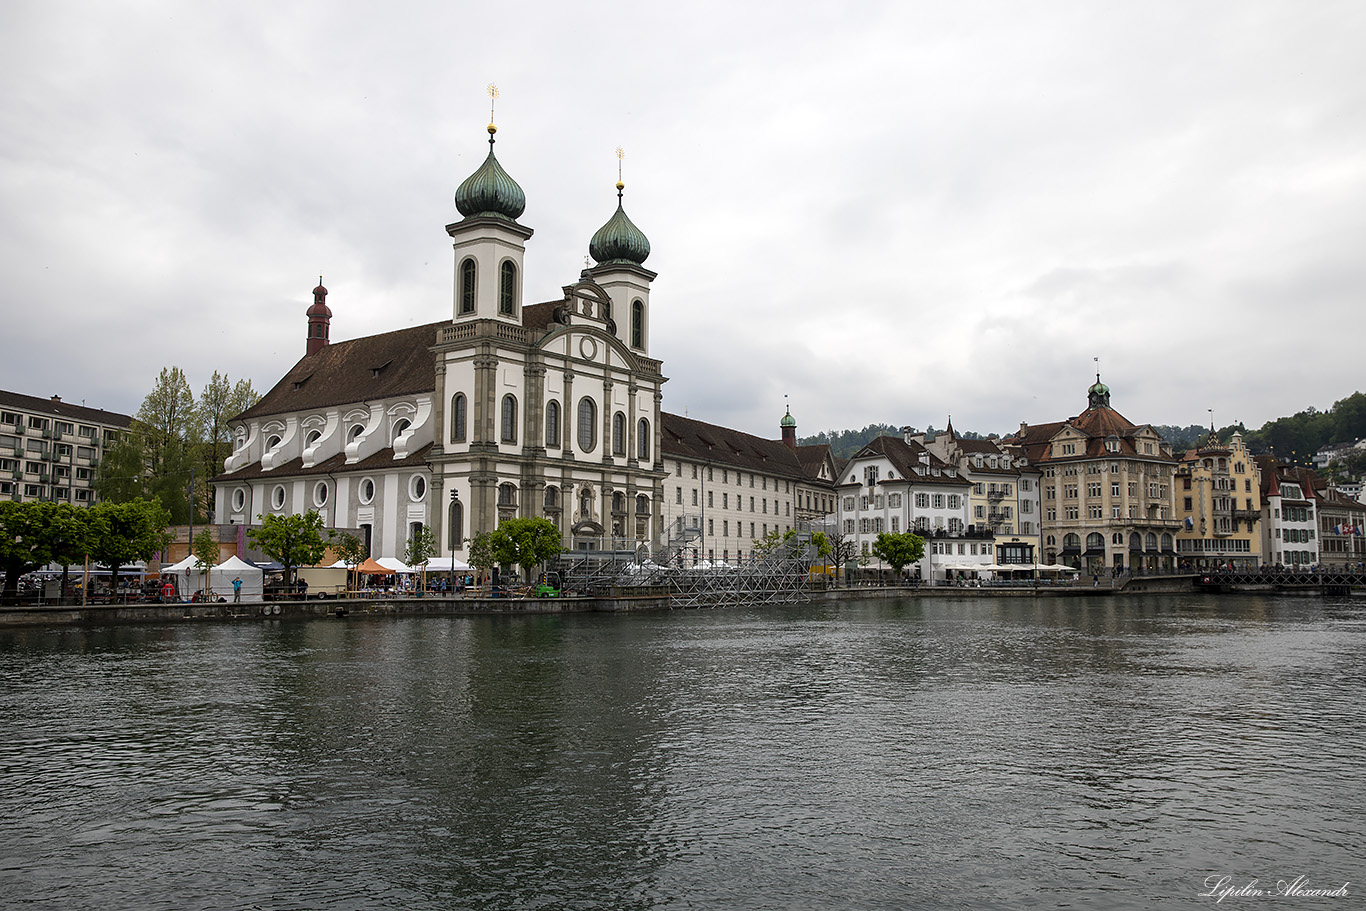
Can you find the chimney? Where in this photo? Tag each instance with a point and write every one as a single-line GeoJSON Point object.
{"type": "Point", "coordinates": [57, 399]}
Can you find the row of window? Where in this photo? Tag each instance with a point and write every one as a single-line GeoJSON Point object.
{"type": "Point", "coordinates": [63, 428]}
{"type": "Point", "coordinates": [587, 425]}
{"type": "Point", "coordinates": [41, 492]}
{"type": "Point", "coordinates": [739, 477]}
{"type": "Point", "coordinates": [507, 297]}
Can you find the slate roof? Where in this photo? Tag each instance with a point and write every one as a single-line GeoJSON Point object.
{"type": "Point", "coordinates": [699, 441]}
{"type": "Point", "coordinates": [58, 409]}
{"type": "Point", "coordinates": [342, 373]}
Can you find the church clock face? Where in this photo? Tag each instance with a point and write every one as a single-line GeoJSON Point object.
{"type": "Point", "coordinates": [588, 348]}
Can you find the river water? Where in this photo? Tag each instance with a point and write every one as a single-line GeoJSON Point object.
{"type": "Point", "coordinates": [923, 753]}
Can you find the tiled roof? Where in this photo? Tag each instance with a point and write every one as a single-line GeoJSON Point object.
{"type": "Point", "coordinates": [374, 367]}
{"type": "Point", "coordinates": [57, 408]}
{"type": "Point", "coordinates": [685, 438]}
{"type": "Point", "coordinates": [905, 458]}
{"type": "Point", "coordinates": [812, 457]}
{"type": "Point", "coordinates": [1097, 424]}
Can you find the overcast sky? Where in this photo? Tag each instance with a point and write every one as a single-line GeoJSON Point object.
{"type": "Point", "coordinates": [886, 211]}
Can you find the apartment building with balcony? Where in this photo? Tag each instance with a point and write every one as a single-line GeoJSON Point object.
{"type": "Point", "coordinates": [896, 485]}
{"type": "Point", "coordinates": [1219, 503]}
{"type": "Point", "coordinates": [1004, 494]}
{"type": "Point", "coordinates": [50, 449]}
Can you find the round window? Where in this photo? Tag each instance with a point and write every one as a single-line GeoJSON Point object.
{"type": "Point", "coordinates": [239, 499]}
{"type": "Point", "coordinates": [277, 497]}
{"type": "Point", "coordinates": [417, 488]}
{"type": "Point", "coordinates": [367, 490]}
{"type": "Point", "coordinates": [320, 494]}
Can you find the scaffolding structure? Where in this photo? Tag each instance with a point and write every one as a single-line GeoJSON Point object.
{"type": "Point", "coordinates": [671, 564]}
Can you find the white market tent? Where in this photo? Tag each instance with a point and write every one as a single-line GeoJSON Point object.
{"type": "Point", "coordinates": [447, 565]}
{"type": "Point", "coordinates": [221, 576]}
{"type": "Point", "coordinates": [396, 565]}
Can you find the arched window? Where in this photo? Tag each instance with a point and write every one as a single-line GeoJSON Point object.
{"type": "Point", "coordinates": [355, 431]}
{"type": "Point", "coordinates": [400, 425]}
{"type": "Point", "coordinates": [588, 425]}
{"type": "Point", "coordinates": [552, 497]}
{"type": "Point", "coordinates": [456, 526]}
{"type": "Point", "coordinates": [467, 286]}
{"type": "Point", "coordinates": [1095, 541]}
{"type": "Point", "coordinates": [313, 437]}
{"type": "Point", "coordinates": [509, 419]}
{"type": "Point", "coordinates": [459, 411]}
{"type": "Point", "coordinates": [643, 440]}
{"type": "Point", "coordinates": [619, 434]}
{"type": "Point", "coordinates": [507, 495]}
{"type": "Point", "coordinates": [642, 505]}
{"type": "Point", "coordinates": [552, 423]}
{"type": "Point", "coordinates": [637, 324]}
{"type": "Point", "coordinates": [1071, 542]}
{"type": "Point", "coordinates": [618, 501]}
{"type": "Point", "coordinates": [507, 289]}
{"type": "Point", "coordinates": [1150, 541]}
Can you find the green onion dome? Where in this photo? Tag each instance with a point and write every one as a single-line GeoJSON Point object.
{"type": "Point", "coordinates": [490, 191]}
{"type": "Point", "coordinates": [619, 241]}
{"type": "Point", "coordinates": [788, 420]}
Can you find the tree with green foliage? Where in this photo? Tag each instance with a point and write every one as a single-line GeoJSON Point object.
{"type": "Point", "coordinates": [25, 543]}
{"type": "Point", "coordinates": [121, 475]}
{"type": "Point", "coordinates": [168, 423]}
{"type": "Point", "coordinates": [292, 541]}
{"type": "Point", "coordinates": [68, 536]}
{"type": "Point", "coordinates": [419, 550]}
{"type": "Point", "coordinates": [121, 533]}
{"type": "Point", "coordinates": [204, 549]}
{"type": "Point", "coordinates": [219, 402]}
{"type": "Point", "coordinates": [350, 549]}
{"type": "Point", "coordinates": [526, 543]}
{"type": "Point", "coordinates": [899, 550]}
{"type": "Point", "coordinates": [481, 554]}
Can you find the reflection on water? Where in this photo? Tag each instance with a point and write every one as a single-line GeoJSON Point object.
{"type": "Point", "coordinates": [923, 753]}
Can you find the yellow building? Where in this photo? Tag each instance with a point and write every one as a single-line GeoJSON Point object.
{"type": "Point", "coordinates": [1218, 499]}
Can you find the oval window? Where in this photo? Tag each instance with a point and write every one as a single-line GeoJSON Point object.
{"type": "Point", "coordinates": [320, 494]}
{"type": "Point", "coordinates": [417, 488]}
{"type": "Point", "coordinates": [239, 499]}
{"type": "Point", "coordinates": [277, 497]}
{"type": "Point", "coordinates": [367, 490]}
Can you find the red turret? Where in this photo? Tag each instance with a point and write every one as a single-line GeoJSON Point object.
{"type": "Point", "coordinates": [319, 320]}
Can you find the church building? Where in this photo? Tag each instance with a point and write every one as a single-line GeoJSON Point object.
{"type": "Point", "coordinates": [505, 409]}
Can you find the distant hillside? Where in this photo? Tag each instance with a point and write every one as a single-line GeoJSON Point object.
{"type": "Point", "coordinates": [844, 443]}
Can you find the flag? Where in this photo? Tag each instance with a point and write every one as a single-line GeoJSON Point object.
{"type": "Point", "coordinates": [1189, 523]}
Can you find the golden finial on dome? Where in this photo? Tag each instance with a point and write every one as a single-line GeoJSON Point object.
{"type": "Point", "coordinates": [493, 96]}
{"type": "Point", "coordinates": [620, 155]}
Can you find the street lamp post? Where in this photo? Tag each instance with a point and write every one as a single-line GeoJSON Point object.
{"type": "Point", "coordinates": [450, 531]}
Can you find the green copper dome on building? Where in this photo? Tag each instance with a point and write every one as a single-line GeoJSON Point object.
{"type": "Point", "coordinates": [490, 191]}
{"type": "Point", "coordinates": [619, 241]}
{"type": "Point", "coordinates": [1098, 396]}
{"type": "Point", "coordinates": [788, 420]}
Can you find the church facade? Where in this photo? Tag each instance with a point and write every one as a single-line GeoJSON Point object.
{"type": "Point", "coordinates": [506, 409]}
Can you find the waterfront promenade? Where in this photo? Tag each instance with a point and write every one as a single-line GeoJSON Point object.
{"type": "Point", "coordinates": [645, 599]}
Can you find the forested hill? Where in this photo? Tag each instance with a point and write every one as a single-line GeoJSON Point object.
{"type": "Point", "coordinates": [844, 443]}
{"type": "Point", "coordinates": [1295, 438]}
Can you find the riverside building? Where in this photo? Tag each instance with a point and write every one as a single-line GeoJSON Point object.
{"type": "Point", "coordinates": [1107, 494]}
{"type": "Point", "coordinates": [50, 449]}
{"type": "Point", "coordinates": [1219, 503]}
{"type": "Point", "coordinates": [499, 409]}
